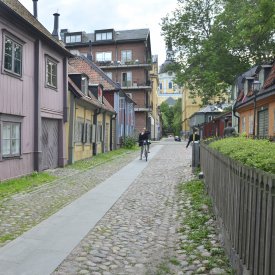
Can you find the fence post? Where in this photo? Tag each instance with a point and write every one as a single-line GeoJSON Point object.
{"type": "Point", "coordinates": [195, 154]}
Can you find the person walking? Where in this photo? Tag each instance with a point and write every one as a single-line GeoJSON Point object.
{"type": "Point", "coordinates": [193, 137]}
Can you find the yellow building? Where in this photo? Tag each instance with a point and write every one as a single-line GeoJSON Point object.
{"type": "Point", "coordinates": [189, 107]}
{"type": "Point", "coordinates": [154, 116]}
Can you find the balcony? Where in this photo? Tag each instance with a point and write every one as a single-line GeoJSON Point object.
{"type": "Point", "coordinates": [129, 85]}
{"type": "Point", "coordinates": [122, 65]}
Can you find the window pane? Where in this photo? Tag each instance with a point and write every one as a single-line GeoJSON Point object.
{"type": "Point", "coordinates": [108, 56]}
{"type": "Point", "coordinates": [78, 38]}
{"type": "Point", "coordinates": [98, 36]}
{"type": "Point", "coordinates": [8, 46]}
{"type": "Point", "coordinates": [8, 62]}
{"type": "Point", "coordinates": [99, 57]}
{"type": "Point", "coordinates": [68, 39]}
{"type": "Point", "coordinates": [15, 131]}
{"type": "Point", "coordinates": [6, 147]}
{"type": "Point", "coordinates": [6, 131]}
{"type": "Point", "coordinates": [15, 146]}
{"type": "Point", "coordinates": [109, 35]}
{"type": "Point", "coordinates": [17, 66]}
{"type": "Point", "coordinates": [17, 51]}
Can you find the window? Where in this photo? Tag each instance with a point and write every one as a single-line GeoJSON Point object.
{"type": "Point", "coordinates": [251, 120]}
{"type": "Point", "coordinates": [127, 79]}
{"type": "Point", "coordinates": [104, 36]}
{"type": "Point", "coordinates": [170, 85]}
{"type": "Point", "coordinates": [99, 137]}
{"type": "Point", "coordinates": [103, 56]}
{"type": "Point", "coordinates": [13, 56]}
{"type": "Point", "coordinates": [84, 85]}
{"type": "Point", "coordinates": [11, 139]}
{"type": "Point", "coordinates": [73, 38]}
{"type": "Point", "coordinates": [109, 74]}
{"type": "Point", "coordinates": [160, 86]}
{"type": "Point", "coordinates": [51, 73]}
{"type": "Point", "coordinates": [79, 130]}
{"type": "Point", "coordinates": [126, 55]}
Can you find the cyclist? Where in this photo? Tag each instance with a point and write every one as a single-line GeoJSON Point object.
{"type": "Point", "coordinates": [143, 136]}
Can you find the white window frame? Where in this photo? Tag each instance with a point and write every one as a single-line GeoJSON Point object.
{"type": "Point", "coordinates": [104, 36]}
{"type": "Point", "coordinates": [126, 55]}
{"type": "Point", "coordinates": [73, 38]}
{"type": "Point", "coordinates": [12, 121]}
{"type": "Point", "coordinates": [15, 44]}
{"type": "Point", "coordinates": [103, 56]}
{"type": "Point", "coordinates": [51, 76]}
{"type": "Point", "coordinates": [84, 85]}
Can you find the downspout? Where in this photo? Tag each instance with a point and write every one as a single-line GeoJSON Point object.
{"type": "Point", "coordinates": [104, 138]}
{"type": "Point", "coordinates": [37, 154]}
{"type": "Point", "coordinates": [113, 118]}
{"type": "Point", "coordinates": [96, 113]}
{"type": "Point", "coordinates": [71, 129]}
{"type": "Point", "coordinates": [235, 115]}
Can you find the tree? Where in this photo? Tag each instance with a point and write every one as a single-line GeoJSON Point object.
{"type": "Point", "coordinates": [217, 40]}
{"type": "Point", "coordinates": [171, 117]}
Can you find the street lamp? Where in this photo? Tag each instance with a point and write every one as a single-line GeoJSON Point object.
{"type": "Point", "coordinates": [255, 89]}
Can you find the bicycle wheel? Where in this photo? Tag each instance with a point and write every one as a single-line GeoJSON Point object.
{"type": "Point", "coordinates": [146, 153]}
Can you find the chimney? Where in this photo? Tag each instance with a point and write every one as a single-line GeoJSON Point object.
{"type": "Point", "coordinates": [90, 55]}
{"type": "Point", "coordinates": [55, 29]}
{"type": "Point", "coordinates": [35, 8]}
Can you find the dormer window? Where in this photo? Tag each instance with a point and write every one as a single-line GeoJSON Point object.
{"type": "Point", "coordinates": [72, 38]}
{"type": "Point", "coordinates": [103, 35]}
{"type": "Point", "coordinates": [84, 85]}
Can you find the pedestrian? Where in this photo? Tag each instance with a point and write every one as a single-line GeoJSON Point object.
{"type": "Point", "coordinates": [143, 136]}
{"type": "Point", "coordinates": [193, 137]}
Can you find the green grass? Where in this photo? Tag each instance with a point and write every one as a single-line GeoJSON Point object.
{"type": "Point", "coordinates": [28, 183]}
{"type": "Point", "coordinates": [100, 158]}
{"type": "Point", "coordinates": [23, 184]}
{"type": "Point", "coordinates": [199, 232]}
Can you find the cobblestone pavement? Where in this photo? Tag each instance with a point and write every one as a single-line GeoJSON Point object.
{"type": "Point", "coordinates": [138, 235]}
{"type": "Point", "coordinates": [21, 212]}
{"type": "Point", "coordinates": [140, 230]}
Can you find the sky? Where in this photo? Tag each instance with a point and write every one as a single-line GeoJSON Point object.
{"type": "Point", "coordinates": [90, 15]}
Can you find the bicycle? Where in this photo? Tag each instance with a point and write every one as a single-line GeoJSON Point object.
{"type": "Point", "coordinates": [144, 149]}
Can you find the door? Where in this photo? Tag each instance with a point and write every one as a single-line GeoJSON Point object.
{"type": "Point", "coordinates": [49, 143]}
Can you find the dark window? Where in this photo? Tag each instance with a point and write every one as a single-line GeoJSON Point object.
{"type": "Point", "coordinates": [51, 73]}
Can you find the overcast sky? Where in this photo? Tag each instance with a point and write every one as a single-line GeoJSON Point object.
{"type": "Point", "coordinates": [90, 15]}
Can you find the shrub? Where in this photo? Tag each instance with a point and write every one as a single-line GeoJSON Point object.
{"type": "Point", "coordinates": [129, 142]}
{"type": "Point", "coordinates": [251, 152]}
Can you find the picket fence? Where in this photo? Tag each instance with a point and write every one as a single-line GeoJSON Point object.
{"type": "Point", "coordinates": [244, 202]}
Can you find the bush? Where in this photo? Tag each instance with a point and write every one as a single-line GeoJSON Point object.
{"type": "Point", "coordinates": [129, 142]}
{"type": "Point", "coordinates": [251, 152]}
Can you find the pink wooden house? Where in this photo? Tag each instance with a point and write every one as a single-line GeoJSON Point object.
{"type": "Point", "coordinates": [33, 90]}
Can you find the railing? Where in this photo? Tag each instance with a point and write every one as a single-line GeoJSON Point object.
{"type": "Point", "coordinates": [244, 201]}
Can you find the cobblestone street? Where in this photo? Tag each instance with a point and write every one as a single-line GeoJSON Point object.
{"type": "Point", "coordinates": [138, 235]}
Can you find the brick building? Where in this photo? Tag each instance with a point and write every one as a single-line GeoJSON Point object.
{"type": "Point", "coordinates": [125, 56]}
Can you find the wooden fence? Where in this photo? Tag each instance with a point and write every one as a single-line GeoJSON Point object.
{"type": "Point", "coordinates": [244, 200]}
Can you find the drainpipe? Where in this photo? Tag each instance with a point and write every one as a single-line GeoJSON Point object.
{"type": "Point", "coordinates": [113, 118]}
{"type": "Point", "coordinates": [71, 129]}
{"type": "Point", "coordinates": [35, 8]}
{"type": "Point", "coordinates": [56, 23]}
{"type": "Point", "coordinates": [96, 113]}
{"type": "Point", "coordinates": [37, 153]}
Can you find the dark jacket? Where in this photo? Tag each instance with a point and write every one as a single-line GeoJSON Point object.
{"type": "Point", "coordinates": [142, 137]}
{"type": "Point", "coordinates": [196, 138]}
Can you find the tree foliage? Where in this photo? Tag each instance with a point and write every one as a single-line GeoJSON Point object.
{"type": "Point", "coordinates": [171, 117]}
{"type": "Point", "coordinates": [216, 40]}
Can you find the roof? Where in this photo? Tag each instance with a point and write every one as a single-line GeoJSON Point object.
{"type": "Point", "coordinates": [84, 65]}
{"type": "Point", "coordinates": [164, 68]}
{"type": "Point", "coordinates": [210, 109]}
{"type": "Point", "coordinates": [136, 34]}
{"type": "Point", "coordinates": [19, 10]}
{"type": "Point", "coordinates": [91, 98]}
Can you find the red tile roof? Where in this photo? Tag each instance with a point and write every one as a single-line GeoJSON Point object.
{"type": "Point", "coordinates": [270, 79]}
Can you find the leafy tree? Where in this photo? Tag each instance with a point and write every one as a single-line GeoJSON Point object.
{"type": "Point", "coordinates": [217, 40]}
{"type": "Point", "coordinates": [171, 117]}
